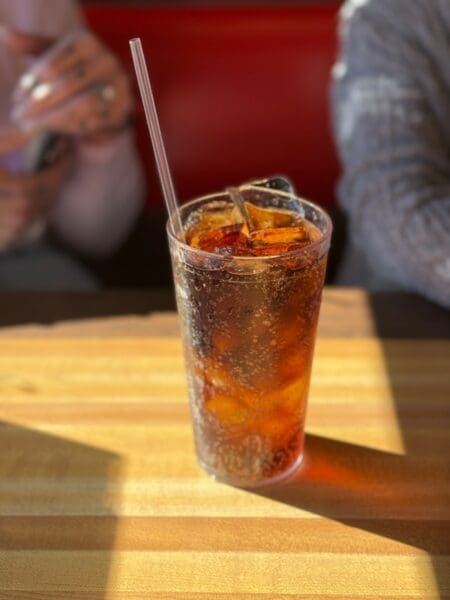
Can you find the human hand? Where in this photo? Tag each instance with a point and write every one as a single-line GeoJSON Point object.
{"type": "Point", "coordinates": [76, 86]}
{"type": "Point", "coordinates": [25, 199]}
{"type": "Point", "coordinates": [13, 138]}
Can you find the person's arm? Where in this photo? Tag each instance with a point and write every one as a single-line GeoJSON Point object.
{"type": "Point", "coordinates": [392, 119]}
{"type": "Point", "coordinates": [99, 203]}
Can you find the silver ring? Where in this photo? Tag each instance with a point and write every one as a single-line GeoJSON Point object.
{"type": "Point", "coordinates": [106, 95]}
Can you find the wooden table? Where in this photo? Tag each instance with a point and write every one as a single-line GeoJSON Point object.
{"type": "Point", "coordinates": [101, 496]}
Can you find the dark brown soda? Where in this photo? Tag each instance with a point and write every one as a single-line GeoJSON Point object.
{"type": "Point", "coordinates": [249, 323]}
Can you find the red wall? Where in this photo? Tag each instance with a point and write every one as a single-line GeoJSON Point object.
{"type": "Point", "coordinates": [241, 92]}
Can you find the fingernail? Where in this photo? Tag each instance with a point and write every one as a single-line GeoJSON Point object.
{"type": "Point", "coordinates": [27, 81]}
{"type": "Point", "coordinates": [24, 109]}
{"type": "Point", "coordinates": [41, 91]}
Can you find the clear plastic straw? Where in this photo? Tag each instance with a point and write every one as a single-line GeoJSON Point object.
{"type": "Point", "coordinates": [155, 133]}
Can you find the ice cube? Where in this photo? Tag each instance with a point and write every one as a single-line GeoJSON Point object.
{"type": "Point", "coordinates": [212, 216]}
{"type": "Point", "coordinates": [271, 241]}
{"type": "Point", "coordinates": [256, 217]}
{"type": "Point", "coordinates": [259, 209]}
{"type": "Point", "coordinates": [257, 191]}
{"type": "Point", "coordinates": [264, 218]}
{"type": "Point", "coordinates": [280, 235]}
{"type": "Point", "coordinates": [274, 249]}
{"type": "Point", "coordinates": [226, 408]}
{"type": "Point", "coordinates": [220, 240]}
{"type": "Point", "coordinates": [276, 182]}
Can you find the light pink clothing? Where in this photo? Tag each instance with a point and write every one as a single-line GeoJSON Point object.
{"type": "Point", "coordinates": [101, 200]}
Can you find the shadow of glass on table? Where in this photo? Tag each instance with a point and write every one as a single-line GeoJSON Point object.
{"type": "Point", "coordinates": [57, 523]}
{"type": "Point", "coordinates": [338, 479]}
{"type": "Point", "coordinates": [415, 336]}
{"type": "Point", "coordinates": [401, 497]}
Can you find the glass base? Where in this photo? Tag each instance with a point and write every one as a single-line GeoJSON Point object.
{"type": "Point", "coordinates": [258, 483]}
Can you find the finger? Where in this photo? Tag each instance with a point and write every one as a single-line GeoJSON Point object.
{"type": "Point", "coordinates": [16, 193]}
{"type": "Point", "coordinates": [21, 211]}
{"type": "Point", "coordinates": [89, 113]}
{"type": "Point", "coordinates": [15, 212]}
{"type": "Point", "coordinates": [42, 189]}
{"type": "Point", "coordinates": [26, 43]}
{"type": "Point", "coordinates": [15, 138]}
{"type": "Point", "coordinates": [9, 186]}
{"type": "Point", "coordinates": [14, 219]}
{"type": "Point", "coordinates": [10, 233]}
{"type": "Point", "coordinates": [64, 56]}
{"type": "Point", "coordinates": [48, 182]}
{"type": "Point", "coordinates": [113, 114]}
{"type": "Point", "coordinates": [78, 47]}
{"type": "Point", "coordinates": [47, 96]}
{"type": "Point", "coordinates": [27, 197]}
{"type": "Point", "coordinates": [14, 229]}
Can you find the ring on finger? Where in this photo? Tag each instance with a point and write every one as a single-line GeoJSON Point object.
{"type": "Point", "coordinates": [105, 94]}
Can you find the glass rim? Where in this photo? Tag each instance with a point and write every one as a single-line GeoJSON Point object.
{"type": "Point", "coordinates": [325, 235]}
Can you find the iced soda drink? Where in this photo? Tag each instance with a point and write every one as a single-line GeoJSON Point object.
{"type": "Point", "coordinates": [248, 278]}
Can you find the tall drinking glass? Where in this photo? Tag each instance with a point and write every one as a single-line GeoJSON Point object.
{"type": "Point", "coordinates": [249, 325]}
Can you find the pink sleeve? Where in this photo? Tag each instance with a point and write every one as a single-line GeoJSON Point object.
{"type": "Point", "coordinates": [101, 201]}
{"type": "Point", "coordinates": [50, 18]}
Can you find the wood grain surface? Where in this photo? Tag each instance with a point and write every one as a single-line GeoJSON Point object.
{"type": "Point", "coordinates": [101, 497]}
